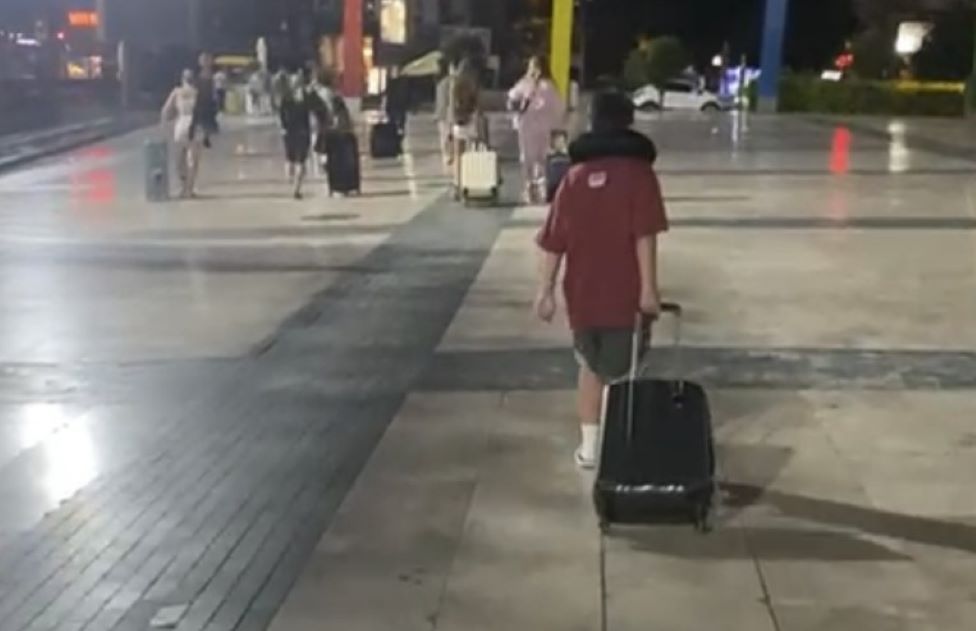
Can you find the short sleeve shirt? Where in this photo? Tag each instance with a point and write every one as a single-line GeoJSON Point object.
{"type": "Point", "coordinates": [601, 210]}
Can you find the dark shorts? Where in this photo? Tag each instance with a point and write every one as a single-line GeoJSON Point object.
{"type": "Point", "coordinates": [607, 352]}
{"type": "Point", "coordinates": [296, 147]}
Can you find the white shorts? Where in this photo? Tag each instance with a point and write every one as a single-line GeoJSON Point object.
{"type": "Point", "coordinates": [467, 132]}
{"type": "Point", "coordinates": [181, 130]}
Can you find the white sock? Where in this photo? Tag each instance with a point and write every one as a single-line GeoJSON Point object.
{"type": "Point", "coordinates": [590, 434]}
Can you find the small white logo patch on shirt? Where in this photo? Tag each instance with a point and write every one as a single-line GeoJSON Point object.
{"type": "Point", "coordinates": [597, 180]}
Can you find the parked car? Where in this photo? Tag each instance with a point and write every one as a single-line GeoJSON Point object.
{"type": "Point", "coordinates": [679, 94]}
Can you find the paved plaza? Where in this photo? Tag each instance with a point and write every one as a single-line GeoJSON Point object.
{"type": "Point", "coordinates": [256, 413]}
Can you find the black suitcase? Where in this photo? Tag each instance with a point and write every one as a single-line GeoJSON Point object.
{"type": "Point", "coordinates": [343, 164]}
{"type": "Point", "coordinates": [657, 459]}
{"type": "Point", "coordinates": [385, 141]}
{"type": "Point", "coordinates": [557, 165]}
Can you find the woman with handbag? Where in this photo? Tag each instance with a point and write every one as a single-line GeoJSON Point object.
{"type": "Point", "coordinates": [539, 110]}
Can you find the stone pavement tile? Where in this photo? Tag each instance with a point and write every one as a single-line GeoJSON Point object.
{"type": "Point", "coordinates": [824, 289]}
{"type": "Point", "coordinates": [775, 440]}
{"type": "Point", "coordinates": [497, 312]}
{"type": "Point", "coordinates": [912, 451]}
{"type": "Point", "coordinates": [383, 562]}
{"type": "Point", "coordinates": [677, 579]}
{"type": "Point", "coordinates": [858, 617]}
{"type": "Point", "coordinates": [804, 566]}
{"type": "Point", "coordinates": [529, 556]}
{"type": "Point", "coordinates": [945, 615]}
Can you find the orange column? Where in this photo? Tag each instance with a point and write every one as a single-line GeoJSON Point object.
{"type": "Point", "coordinates": [353, 70]}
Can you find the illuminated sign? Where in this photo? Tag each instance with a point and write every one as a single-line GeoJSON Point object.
{"type": "Point", "coordinates": [911, 37]}
{"type": "Point", "coordinates": [83, 19]}
{"type": "Point", "coordinates": [393, 21]}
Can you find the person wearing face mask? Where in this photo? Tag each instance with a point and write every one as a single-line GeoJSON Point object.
{"type": "Point", "coordinates": [539, 110]}
{"type": "Point", "coordinates": [180, 106]}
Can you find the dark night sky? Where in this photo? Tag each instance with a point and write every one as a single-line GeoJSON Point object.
{"type": "Point", "coordinates": [816, 33]}
{"type": "Point", "coordinates": [817, 30]}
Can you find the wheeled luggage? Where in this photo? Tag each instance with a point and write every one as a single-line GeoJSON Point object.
{"type": "Point", "coordinates": [480, 176]}
{"type": "Point", "coordinates": [385, 140]}
{"type": "Point", "coordinates": [157, 170]}
{"type": "Point", "coordinates": [557, 166]}
{"type": "Point", "coordinates": [657, 459]}
{"type": "Point", "coordinates": [343, 164]}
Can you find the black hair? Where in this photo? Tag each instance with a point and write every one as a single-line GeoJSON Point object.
{"type": "Point", "coordinates": [543, 62]}
{"type": "Point", "coordinates": [612, 110]}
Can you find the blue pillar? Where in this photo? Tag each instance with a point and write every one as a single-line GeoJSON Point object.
{"type": "Point", "coordinates": [774, 31]}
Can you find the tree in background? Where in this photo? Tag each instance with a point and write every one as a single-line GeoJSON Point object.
{"type": "Point", "coordinates": [635, 66]}
{"type": "Point", "coordinates": [874, 53]}
{"type": "Point", "coordinates": [948, 50]}
{"type": "Point", "coordinates": [469, 47]}
{"type": "Point", "coordinates": [667, 58]}
{"type": "Point", "coordinates": [655, 62]}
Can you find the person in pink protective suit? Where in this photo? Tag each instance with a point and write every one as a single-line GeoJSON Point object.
{"type": "Point", "coordinates": [539, 110]}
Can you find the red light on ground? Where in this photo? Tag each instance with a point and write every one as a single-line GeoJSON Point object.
{"type": "Point", "coordinates": [840, 151]}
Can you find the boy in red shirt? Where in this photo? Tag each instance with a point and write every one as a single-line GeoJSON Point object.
{"type": "Point", "coordinates": [604, 221]}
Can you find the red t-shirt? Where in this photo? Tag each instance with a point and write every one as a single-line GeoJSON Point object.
{"type": "Point", "coordinates": [601, 210]}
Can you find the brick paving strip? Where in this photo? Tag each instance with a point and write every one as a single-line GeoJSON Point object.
{"type": "Point", "coordinates": [221, 507]}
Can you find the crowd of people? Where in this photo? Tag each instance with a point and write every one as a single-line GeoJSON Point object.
{"type": "Point", "coordinates": [311, 114]}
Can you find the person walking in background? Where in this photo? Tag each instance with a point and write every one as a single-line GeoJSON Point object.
{"type": "Point", "coordinates": [465, 111]}
{"type": "Point", "coordinates": [205, 111]}
{"type": "Point", "coordinates": [278, 88]}
{"type": "Point", "coordinates": [322, 98]}
{"type": "Point", "coordinates": [343, 151]}
{"type": "Point", "coordinates": [397, 101]}
{"type": "Point", "coordinates": [220, 90]}
{"type": "Point", "coordinates": [180, 106]}
{"type": "Point", "coordinates": [256, 94]}
{"type": "Point", "coordinates": [296, 126]}
{"type": "Point", "coordinates": [442, 111]}
{"type": "Point", "coordinates": [604, 222]}
{"type": "Point", "coordinates": [538, 111]}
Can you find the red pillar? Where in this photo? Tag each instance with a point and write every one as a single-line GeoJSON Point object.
{"type": "Point", "coordinates": [353, 79]}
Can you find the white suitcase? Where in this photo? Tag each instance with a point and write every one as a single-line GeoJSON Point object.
{"type": "Point", "coordinates": [480, 176]}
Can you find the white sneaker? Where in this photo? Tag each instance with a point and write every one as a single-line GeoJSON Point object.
{"type": "Point", "coordinates": [583, 462]}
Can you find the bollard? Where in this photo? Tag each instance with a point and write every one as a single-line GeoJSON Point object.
{"type": "Point", "coordinates": [157, 170]}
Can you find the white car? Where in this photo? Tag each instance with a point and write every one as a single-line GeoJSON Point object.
{"type": "Point", "coordinates": [678, 95]}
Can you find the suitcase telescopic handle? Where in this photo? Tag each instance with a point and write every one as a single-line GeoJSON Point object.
{"type": "Point", "coordinates": [676, 311]}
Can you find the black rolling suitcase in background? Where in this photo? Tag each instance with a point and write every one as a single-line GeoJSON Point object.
{"type": "Point", "coordinates": [343, 164]}
{"type": "Point", "coordinates": [558, 163]}
{"type": "Point", "coordinates": [385, 140]}
{"type": "Point", "coordinates": [657, 459]}
{"type": "Point", "coordinates": [557, 166]}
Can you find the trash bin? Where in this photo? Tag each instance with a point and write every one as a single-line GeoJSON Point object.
{"type": "Point", "coordinates": [157, 170]}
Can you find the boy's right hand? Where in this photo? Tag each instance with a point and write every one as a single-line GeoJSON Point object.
{"type": "Point", "coordinates": [545, 306]}
{"type": "Point", "coordinates": [650, 304]}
